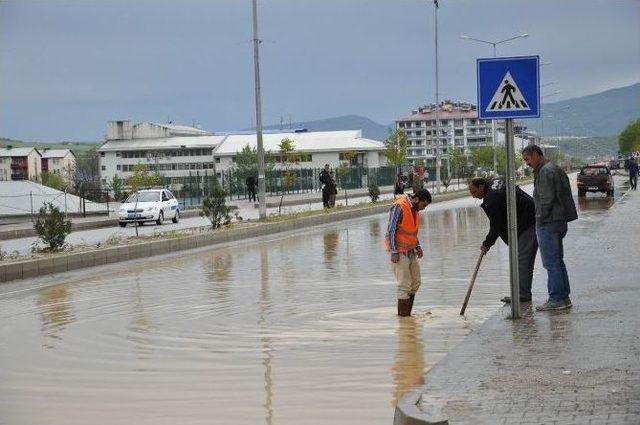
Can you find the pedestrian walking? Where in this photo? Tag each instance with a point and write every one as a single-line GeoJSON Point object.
{"type": "Point", "coordinates": [401, 241]}
{"type": "Point", "coordinates": [633, 174]}
{"type": "Point", "coordinates": [251, 183]}
{"type": "Point", "coordinates": [554, 208]}
{"type": "Point", "coordinates": [399, 184]}
{"type": "Point", "coordinates": [332, 189]}
{"type": "Point", "coordinates": [325, 179]}
{"type": "Point", "coordinates": [494, 204]}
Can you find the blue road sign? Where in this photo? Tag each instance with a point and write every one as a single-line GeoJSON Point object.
{"type": "Point", "coordinates": [509, 87]}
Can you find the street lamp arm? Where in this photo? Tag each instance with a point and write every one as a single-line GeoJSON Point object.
{"type": "Point", "coordinates": [512, 38]}
{"type": "Point", "coordinates": [466, 37]}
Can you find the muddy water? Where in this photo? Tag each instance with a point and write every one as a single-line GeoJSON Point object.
{"type": "Point", "coordinates": [286, 330]}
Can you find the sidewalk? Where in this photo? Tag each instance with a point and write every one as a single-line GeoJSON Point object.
{"type": "Point", "coordinates": [580, 366]}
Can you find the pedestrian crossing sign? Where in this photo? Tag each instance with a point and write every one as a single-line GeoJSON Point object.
{"type": "Point", "coordinates": [509, 87]}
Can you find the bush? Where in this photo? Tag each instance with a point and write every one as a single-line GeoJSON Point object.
{"type": "Point", "coordinates": [374, 192]}
{"type": "Point", "coordinates": [214, 207]}
{"type": "Point", "coordinates": [52, 226]}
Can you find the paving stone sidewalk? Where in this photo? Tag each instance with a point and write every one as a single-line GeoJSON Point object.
{"type": "Point", "coordinates": [580, 366]}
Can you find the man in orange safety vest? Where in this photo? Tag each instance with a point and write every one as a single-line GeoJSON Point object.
{"type": "Point", "coordinates": [401, 240]}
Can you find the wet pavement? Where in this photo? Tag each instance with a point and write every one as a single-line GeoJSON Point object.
{"type": "Point", "coordinates": [293, 328]}
{"type": "Point", "coordinates": [580, 366]}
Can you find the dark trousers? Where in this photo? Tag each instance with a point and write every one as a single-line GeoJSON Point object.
{"type": "Point", "coordinates": [252, 194]}
{"type": "Point", "coordinates": [633, 181]}
{"type": "Point", "coordinates": [325, 196]}
{"type": "Point", "coordinates": [527, 250]}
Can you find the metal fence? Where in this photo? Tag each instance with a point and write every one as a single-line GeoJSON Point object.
{"type": "Point", "coordinates": [192, 188]}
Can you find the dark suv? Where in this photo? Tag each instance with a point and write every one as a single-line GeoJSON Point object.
{"type": "Point", "coordinates": [595, 178]}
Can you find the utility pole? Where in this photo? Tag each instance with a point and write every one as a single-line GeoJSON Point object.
{"type": "Point", "coordinates": [437, 146]}
{"type": "Point", "coordinates": [262, 206]}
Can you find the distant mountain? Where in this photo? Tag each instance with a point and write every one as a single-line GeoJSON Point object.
{"type": "Point", "coordinates": [601, 114]}
{"type": "Point", "coordinates": [370, 129]}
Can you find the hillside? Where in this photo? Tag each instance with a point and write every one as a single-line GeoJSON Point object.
{"type": "Point", "coordinates": [600, 114]}
{"type": "Point", "coordinates": [74, 146]}
{"type": "Point", "coordinates": [370, 129]}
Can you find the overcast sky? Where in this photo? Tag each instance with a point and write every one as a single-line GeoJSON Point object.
{"type": "Point", "coordinates": [69, 66]}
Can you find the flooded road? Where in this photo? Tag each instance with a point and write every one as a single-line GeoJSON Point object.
{"type": "Point", "coordinates": [296, 328]}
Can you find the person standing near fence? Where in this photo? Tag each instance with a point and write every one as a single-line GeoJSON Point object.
{"type": "Point", "coordinates": [401, 241]}
{"type": "Point", "coordinates": [325, 179]}
{"type": "Point", "coordinates": [251, 184]}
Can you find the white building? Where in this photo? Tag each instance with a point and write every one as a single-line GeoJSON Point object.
{"type": "Point", "coordinates": [459, 126]}
{"type": "Point", "coordinates": [316, 148]}
{"type": "Point", "coordinates": [20, 163]}
{"type": "Point", "coordinates": [172, 150]}
{"type": "Point", "coordinates": [59, 161]}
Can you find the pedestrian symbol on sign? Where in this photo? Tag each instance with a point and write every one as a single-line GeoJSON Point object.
{"type": "Point", "coordinates": [508, 96]}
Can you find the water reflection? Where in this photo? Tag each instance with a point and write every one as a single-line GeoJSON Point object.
{"type": "Point", "coordinates": [408, 368]}
{"type": "Point", "coordinates": [265, 339]}
{"type": "Point", "coordinates": [55, 312]}
{"type": "Point", "coordinates": [330, 239]}
{"type": "Point", "coordinates": [595, 203]}
{"type": "Point", "coordinates": [140, 325]}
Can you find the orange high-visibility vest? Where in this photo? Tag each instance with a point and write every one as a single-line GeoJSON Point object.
{"type": "Point", "coordinates": [407, 230]}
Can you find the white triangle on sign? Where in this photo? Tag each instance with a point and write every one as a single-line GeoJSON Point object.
{"type": "Point", "coordinates": [508, 97]}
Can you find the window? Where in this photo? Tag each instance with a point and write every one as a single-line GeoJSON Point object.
{"type": "Point", "coordinates": [118, 154]}
{"type": "Point", "coordinates": [218, 160]}
{"type": "Point", "coordinates": [103, 168]}
{"type": "Point", "coordinates": [118, 167]}
{"type": "Point", "coordinates": [101, 153]}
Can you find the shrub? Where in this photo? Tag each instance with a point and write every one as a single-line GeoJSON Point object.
{"type": "Point", "coordinates": [52, 226]}
{"type": "Point", "coordinates": [214, 207]}
{"type": "Point", "coordinates": [374, 192]}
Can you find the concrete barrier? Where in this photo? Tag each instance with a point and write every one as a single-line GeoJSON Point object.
{"type": "Point", "coordinates": [72, 261]}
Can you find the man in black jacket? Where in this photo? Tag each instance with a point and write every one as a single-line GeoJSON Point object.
{"type": "Point", "coordinates": [325, 179]}
{"type": "Point", "coordinates": [494, 203]}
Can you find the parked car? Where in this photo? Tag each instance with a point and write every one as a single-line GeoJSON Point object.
{"type": "Point", "coordinates": [595, 178]}
{"type": "Point", "coordinates": [149, 205]}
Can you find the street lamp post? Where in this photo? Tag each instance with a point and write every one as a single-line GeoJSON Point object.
{"type": "Point", "coordinates": [493, 122]}
{"type": "Point", "coordinates": [437, 144]}
{"type": "Point", "coordinates": [262, 205]}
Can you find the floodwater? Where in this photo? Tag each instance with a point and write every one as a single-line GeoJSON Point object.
{"type": "Point", "coordinates": [294, 328]}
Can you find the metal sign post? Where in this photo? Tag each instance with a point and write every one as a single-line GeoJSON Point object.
{"type": "Point", "coordinates": [510, 88]}
{"type": "Point", "coordinates": [512, 219]}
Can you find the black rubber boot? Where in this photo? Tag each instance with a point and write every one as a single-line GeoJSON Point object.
{"type": "Point", "coordinates": [411, 298]}
{"type": "Point", "coordinates": [404, 307]}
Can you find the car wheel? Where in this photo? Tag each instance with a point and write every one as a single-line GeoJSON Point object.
{"type": "Point", "coordinates": [160, 218]}
{"type": "Point", "coordinates": [582, 193]}
{"type": "Point", "coordinates": [141, 223]}
{"type": "Point", "coordinates": [176, 217]}
{"type": "Point", "coordinates": [123, 224]}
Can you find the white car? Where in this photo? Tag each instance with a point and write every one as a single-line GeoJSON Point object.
{"type": "Point", "coordinates": [149, 205]}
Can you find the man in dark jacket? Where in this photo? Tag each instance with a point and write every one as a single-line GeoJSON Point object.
{"type": "Point", "coordinates": [251, 183]}
{"type": "Point", "coordinates": [554, 209]}
{"type": "Point", "coordinates": [325, 179]}
{"type": "Point", "coordinates": [494, 203]}
{"type": "Point", "coordinates": [633, 173]}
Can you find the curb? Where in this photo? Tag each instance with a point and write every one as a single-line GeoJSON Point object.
{"type": "Point", "coordinates": [66, 262]}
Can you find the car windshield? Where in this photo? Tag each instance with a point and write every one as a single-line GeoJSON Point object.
{"type": "Point", "coordinates": [144, 197]}
{"type": "Point", "coordinates": [593, 171]}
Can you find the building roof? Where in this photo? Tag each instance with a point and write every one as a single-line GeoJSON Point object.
{"type": "Point", "coordinates": [316, 141]}
{"type": "Point", "coordinates": [161, 143]}
{"type": "Point", "coordinates": [182, 128]}
{"type": "Point", "coordinates": [56, 153]}
{"type": "Point", "coordinates": [446, 110]}
{"type": "Point", "coordinates": [17, 152]}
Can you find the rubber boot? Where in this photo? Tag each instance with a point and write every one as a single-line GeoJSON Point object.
{"type": "Point", "coordinates": [404, 307]}
{"type": "Point", "coordinates": [411, 298]}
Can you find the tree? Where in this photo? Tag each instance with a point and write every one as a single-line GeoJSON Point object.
{"type": "Point", "coordinates": [86, 179]}
{"type": "Point", "coordinates": [142, 178]}
{"type": "Point", "coordinates": [395, 149]}
{"type": "Point", "coordinates": [247, 161]}
{"type": "Point", "coordinates": [629, 139]}
{"type": "Point", "coordinates": [288, 158]}
{"type": "Point", "coordinates": [458, 161]}
{"type": "Point", "coordinates": [116, 185]}
{"type": "Point", "coordinates": [53, 180]}
{"type": "Point", "coordinates": [344, 170]}
{"type": "Point", "coordinates": [214, 207]}
{"type": "Point", "coordinates": [52, 226]}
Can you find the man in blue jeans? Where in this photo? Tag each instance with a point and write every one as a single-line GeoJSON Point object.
{"type": "Point", "coordinates": [554, 209]}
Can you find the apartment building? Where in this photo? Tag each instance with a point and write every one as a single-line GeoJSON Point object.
{"type": "Point", "coordinates": [172, 150]}
{"type": "Point", "coordinates": [459, 126]}
{"type": "Point", "coordinates": [59, 161]}
{"type": "Point", "coordinates": [20, 163]}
